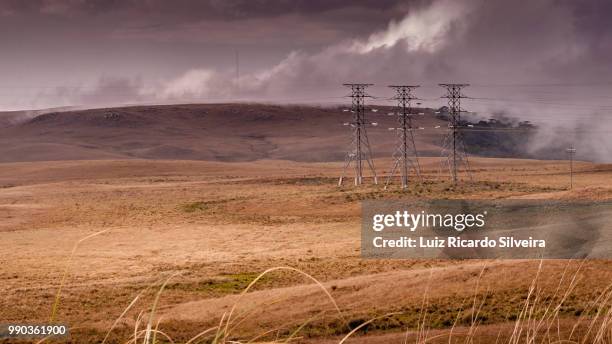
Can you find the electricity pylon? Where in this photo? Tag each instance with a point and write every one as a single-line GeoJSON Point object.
{"type": "Point", "coordinates": [454, 154]}
{"type": "Point", "coordinates": [405, 156]}
{"type": "Point", "coordinates": [360, 145]}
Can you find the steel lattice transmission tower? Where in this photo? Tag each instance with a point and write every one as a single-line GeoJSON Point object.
{"type": "Point", "coordinates": [405, 156]}
{"type": "Point", "coordinates": [360, 150]}
{"type": "Point", "coordinates": [454, 154]}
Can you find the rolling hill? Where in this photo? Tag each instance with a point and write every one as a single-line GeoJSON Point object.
{"type": "Point", "coordinates": [215, 132]}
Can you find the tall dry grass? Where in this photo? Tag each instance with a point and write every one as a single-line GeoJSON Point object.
{"type": "Point", "coordinates": [538, 321]}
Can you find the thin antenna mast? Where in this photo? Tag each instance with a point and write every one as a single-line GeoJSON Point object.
{"type": "Point", "coordinates": [237, 82]}
{"type": "Point", "coordinates": [570, 152]}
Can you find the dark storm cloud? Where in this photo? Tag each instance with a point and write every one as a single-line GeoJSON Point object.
{"type": "Point", "coordinates": [294, 43]}
{"type": "Point", "coordinates": [189, 10]}
{"type": "Point", "coordinates": [172, 35]}
{"type": "Point", "coordinates": [591, 21]}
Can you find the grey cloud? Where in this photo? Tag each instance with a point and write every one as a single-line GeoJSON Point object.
{"type": "Point", "coordinates": [106, 91]}
{"type": "Point", "coordinates": [192, 9]}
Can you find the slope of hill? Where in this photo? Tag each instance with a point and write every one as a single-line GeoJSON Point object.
{"type": "Point", "coordinates": [227, 132]}
{"type": "Point", "coordinates": [223, 132]}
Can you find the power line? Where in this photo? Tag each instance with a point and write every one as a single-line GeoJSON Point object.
{"type": "Point", "coordinates": [585, 84]}
{"type": "Point", "coordinates": [544, 102]}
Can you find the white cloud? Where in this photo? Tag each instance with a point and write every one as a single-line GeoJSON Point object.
{"type": "Point", "coordinates": [193, 83]}
{"type": "Point", "coordinates": [422, 30]}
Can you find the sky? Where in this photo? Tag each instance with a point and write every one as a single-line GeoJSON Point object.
{"type": "Point", "coordinates": [547, 61]}
{"type": "Point", "coordinates": [73, 52]}
{"type": "Point", "coordinates": [106, 52]}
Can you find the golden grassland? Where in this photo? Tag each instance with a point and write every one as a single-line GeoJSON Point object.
{"type": "Point", "coordinates": [137, 250]}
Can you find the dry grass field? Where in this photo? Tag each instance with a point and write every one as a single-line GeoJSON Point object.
{"type": "Point", "coordinates": [111, 233]}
